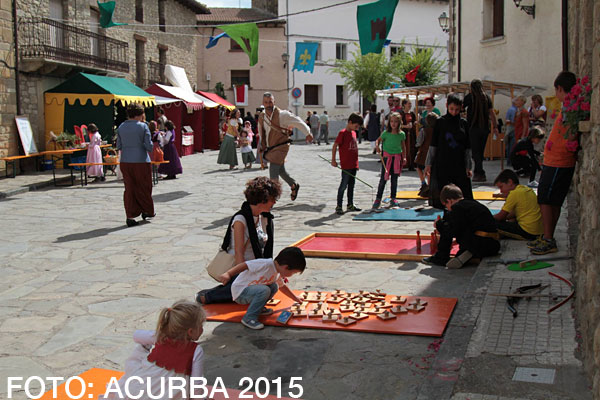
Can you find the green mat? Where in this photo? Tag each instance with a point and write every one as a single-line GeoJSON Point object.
{"type": "Point", "coordinates": [530, 267]}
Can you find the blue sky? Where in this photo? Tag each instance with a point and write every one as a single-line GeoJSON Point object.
{"type": "Point", "coordinates": [227, 3]}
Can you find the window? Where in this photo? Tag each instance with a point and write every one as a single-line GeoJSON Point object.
{"type": "Point", "coordinates": [493, 18]}
{"type": "Point", "coordinates": [340, 51]}
{"type": "Point", "coordinates": [95, 28]}
{"type": "Point", "coordinates": [312, 95]}
{"type": "Point", "coordinates": [140, 63]}
{"type": "Point", "coordinates": [162, 60]}
{"type": "Point", "coordinates": [161, 15]}
{"type": "Point", "coordinates": [318, 55]}
{"type": "Point", "coordinates": [394, 50]}
{"type": "Point", "coordinates": [139, 11]}
{"type": "Point", "coordinates": [240, 77]}
{"type": "Point", "coordinates": [340, 95]}
{"type": "Point", "coordinates": [234, 46]}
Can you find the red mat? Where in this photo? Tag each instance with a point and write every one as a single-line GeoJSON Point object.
{"type": "Point", "coordinates": [97, 378]}
{"type": "Point", "coordinates": [366, 246]}
{"type": "Point", "coordinates": [431, 321]}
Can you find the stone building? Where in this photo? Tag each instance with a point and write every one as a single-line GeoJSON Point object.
{"type": "Point", "coordinates": [584, 59]}
{"type": "Point", "coordinates": [58, 38]}
{"type": "Point", "coordinates": [228, 64]}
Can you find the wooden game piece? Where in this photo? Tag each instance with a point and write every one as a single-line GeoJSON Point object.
{"type": "Point", "coordinates": [359, 315]}
{"type": "Point", "coordinates": [298, 313]}
{"type": "Point", "coordinates": [380, 293]}
{"type": "Point", "coordinates": [418, 302]}
{"type": "Point", "coordinates": [314, 313]}
{"type": "Point", "coordinates": [273, 302]}
{"type": "Point", "coordinates": [347, 308]}
{"type": "Point", "coordinates": [330, 317]}
{"type": "Point", "coordinates": [345, 321]}
{"type": "Point", "coordinates": [398, 299]}
{"type": "Point", "coordinates": [374, 310]}
{"type": "Point", "coordinates": [335, 299]}
{"type": "Point", "coordinates": [363, 293]}
{"type": "Point", "coordinates": [382, 304]}
{"type": "Point", "coordinates": [433, 243]}
{"type": "Point", "coordinates": [362, 300]}
{"type": "Point", "coordinates": [419, 242]}
{"type": "Point", "coordinates": [338, 292]}
{"type": "Point", "coordinates": [303, 295]}
{"type": "Point", "coordinates": [386, 315]}
{"type": "Point", "coordinates": [398, 310]}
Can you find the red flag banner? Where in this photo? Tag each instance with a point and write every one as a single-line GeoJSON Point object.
{"type": "Point", "coordinates": [412, 74]}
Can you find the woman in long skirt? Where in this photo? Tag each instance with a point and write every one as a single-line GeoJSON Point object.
{"type": "Point", "coordinates": [227, 153]}
{"type": "Point", "coordinates": [173, 167]}
{"type": "Point", "coordinates": [94, 153]}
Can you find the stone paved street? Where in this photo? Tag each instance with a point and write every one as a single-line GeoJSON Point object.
{"type": "Point", "coordinates": [77, 282]}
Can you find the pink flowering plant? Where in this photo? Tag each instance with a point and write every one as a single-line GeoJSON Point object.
{"type": "Point", "coordinates": [576, 105]}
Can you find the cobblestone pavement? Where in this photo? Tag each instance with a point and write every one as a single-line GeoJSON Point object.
{"type": "Point", "coordinates": [77, 282]}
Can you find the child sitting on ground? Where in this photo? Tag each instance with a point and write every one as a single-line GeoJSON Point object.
{"type": "Point", "coordinates": [259, 280]}
{"type": "Point", "coordinates": [524, 157]}
{"type": "Point", "coordinates": [473, 226]}
{"type": "Point", "coordinates": [520, 217]}
{"type": "Point", "coordinates": [393, 142]}
{"type": "Point", "coordinates": [170, 351]}
{"type": "Point", "coordinates": [346, 141]}
{"type": "Point", "coordinates": [246, 149]}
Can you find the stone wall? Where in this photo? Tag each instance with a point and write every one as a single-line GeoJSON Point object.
{"type": "Point", "coordinates": [584, 56]}
{"type": "Point", "coordinates": [8, 99]}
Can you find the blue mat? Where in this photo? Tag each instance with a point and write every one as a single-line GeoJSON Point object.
{"type": "Point", "coordinates": [402, 214]}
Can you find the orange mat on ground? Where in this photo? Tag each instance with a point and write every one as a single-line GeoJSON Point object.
{"type": "Point", "coordinates": [97, 378]}
{"type": "Point", "coordinates": [431, 321]}
{"type": "Point", "coordinates": [370, 246]}
{"type": "Point", "coordinates": [413, 194]}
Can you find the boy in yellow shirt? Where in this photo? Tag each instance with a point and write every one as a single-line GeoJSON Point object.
{"type": "Point", "coordinates": [520, 217]}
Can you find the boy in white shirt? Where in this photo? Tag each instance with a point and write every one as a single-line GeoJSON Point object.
{"type": "Point", "coordinates": [259, 280]}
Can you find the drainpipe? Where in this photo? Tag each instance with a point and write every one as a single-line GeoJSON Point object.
{"type": "Point", "coordinates": [458, 42]}
{"type": "Point", "coordinates": [565, 35]}
{"type": "Point", "coordinates": [16, 38]}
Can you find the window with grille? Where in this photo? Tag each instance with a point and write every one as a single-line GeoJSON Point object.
{"type": "Point", "coordinates": [240, 77]}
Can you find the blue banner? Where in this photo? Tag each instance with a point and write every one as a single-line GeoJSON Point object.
{"type": "Point", "coordinates": [306, 52]}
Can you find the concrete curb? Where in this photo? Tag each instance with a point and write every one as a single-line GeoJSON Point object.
{"type": "Point", "coordinates": [33, 187]}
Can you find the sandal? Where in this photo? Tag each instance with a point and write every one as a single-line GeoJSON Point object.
{"type": "Point", "coordinates": [294, 193]}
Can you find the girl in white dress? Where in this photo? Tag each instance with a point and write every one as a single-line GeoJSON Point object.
{"type": "Point", "coordinates": [170, 351]}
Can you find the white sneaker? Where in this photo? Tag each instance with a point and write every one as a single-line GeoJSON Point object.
{"type": "Point", "coordinates": [533, 184]}
{"type": "Point", "coordinates": [252, 324]}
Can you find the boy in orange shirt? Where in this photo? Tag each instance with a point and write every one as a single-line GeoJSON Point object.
{"type": "Point", "coordinates": [560, 155]}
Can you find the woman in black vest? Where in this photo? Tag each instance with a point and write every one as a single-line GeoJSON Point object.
{"type": "Point", "coordinates": [249, 234]}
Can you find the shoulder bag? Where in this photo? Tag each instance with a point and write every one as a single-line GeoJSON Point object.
{"type": "Point", "coordinates": [222, 263]}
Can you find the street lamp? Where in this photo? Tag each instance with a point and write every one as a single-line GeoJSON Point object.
{"type": "Point", "coordinates": [529, 10]}
{"type": "Point", "coordinates": [444, 22]}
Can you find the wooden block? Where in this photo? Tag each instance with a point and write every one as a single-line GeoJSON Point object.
{"type": "Point", "coordinates": [345, 321]}
{"type": "Point", "coordinates": [379, 292]}
{"type": "Point", "coordinates": [359, 315]}
{"type": "Point", "coordinates": [374, 310]}
{"type": "Point", "coordinates": [273, 302]}
{"type": "Point", "coordinates": [335, 299]}
{"type": "Point", "coordinates": [298, 313]}
{"type": "Point", "coordinates": [361, 300]}
{"type": "Point", "coordinates": [315, 313]}
{"type": "Point", "coordinates": [386, 315]}
{"type": "Point", "coordinates": [338, 292]}
{"type": "Point", "coordinates": [330, 317]}
{"type": "Point", "coordinates": [398, 310]}
{"type": "Point", "coordinates": [418, 302]}
{"type": "Point", "coordinates": [299, 306]}
{"type": "Point", "coordinates": [415, 308]}
{"type": "Point", "coordinates": [398, 299]}
{"type": "Point", "coordinates": [363, 292]}
{"type": "Point", "coordinates": [382, 304]}
{"type": "Point", "coordinates": [333, 311]}
{"type": "Point", "coordinates": [347, 308]}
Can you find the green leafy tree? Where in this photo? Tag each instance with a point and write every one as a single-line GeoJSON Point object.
{"type": "Point", "coordinates": [220, 90]}
{"type": "Point", "coordinates": [364, 74]}
{"type": "Point", "coordinates": [429, 70]}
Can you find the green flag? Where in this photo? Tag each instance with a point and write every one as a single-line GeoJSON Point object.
{"type": "Point", "coordinates": [246, 35]}
{"type": "Point", "coordinates": [374, 23]}
{"type": "Point", "coordinates": [106, 12]}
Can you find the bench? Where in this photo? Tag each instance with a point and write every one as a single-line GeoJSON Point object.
{"type": "Point", "coordinates": [12, 160]}
{"type": "Point", "coordinates": [83, 171]}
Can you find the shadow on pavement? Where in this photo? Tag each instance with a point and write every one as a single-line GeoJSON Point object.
{"type": "Point", "coordinates": [170, 196]}
{"type": "Point", "coordinates": [302, 207]}
{"type": "Point", "coordinates": [93, 234]}
{"type": "Point", "coordinates": [322, 221]}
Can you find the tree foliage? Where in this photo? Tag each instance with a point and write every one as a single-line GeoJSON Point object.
{"type": "Point", "coordinates": [364, 74]}
{"type": "Point", "coordinates": [429, 70]}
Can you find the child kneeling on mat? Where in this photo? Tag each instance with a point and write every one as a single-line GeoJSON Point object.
{"type": "Point", "coordinates": [259, 280]}
{"type": "Point", "coordinates": [471, 223]}
{"type": "Point", "coordinates": [520, 217]}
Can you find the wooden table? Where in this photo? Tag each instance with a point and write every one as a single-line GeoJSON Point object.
{"type": "Point", "coordinates": [83, 170]}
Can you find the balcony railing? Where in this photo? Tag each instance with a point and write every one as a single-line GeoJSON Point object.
{"type": "Point", "coordinates": [156, 72]}
{"type": "Point", "coordinates": [48, 39]}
